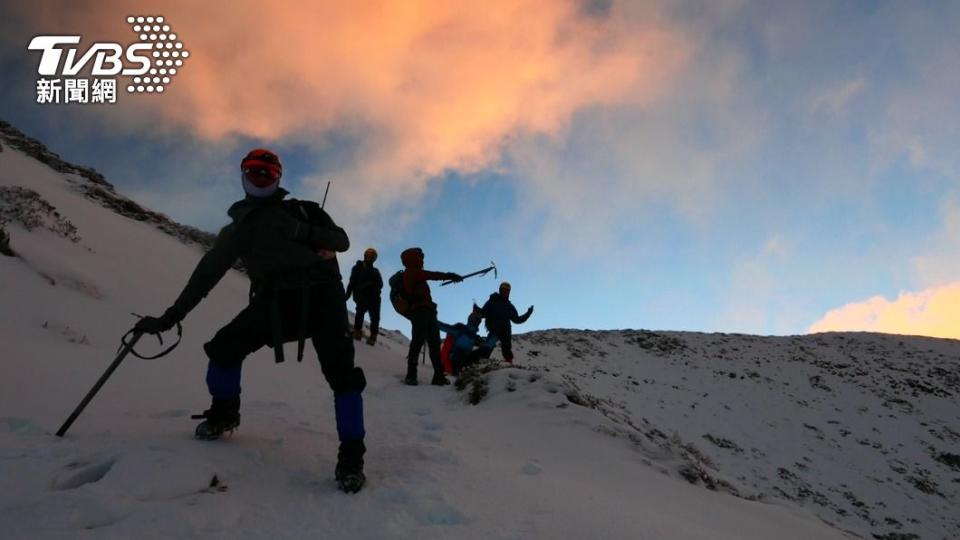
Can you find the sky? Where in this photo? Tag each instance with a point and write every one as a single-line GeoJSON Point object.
{"type": "Point", "coordinates": [733, 166]}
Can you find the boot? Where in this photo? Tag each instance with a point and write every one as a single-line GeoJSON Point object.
{"type": "Point", "coordinates": [222, 416]}
{"type": "Point", "coordinates": [358, 334]}
{"type": "Point", "coordinates": [439, 377]}
{"type": "Point", "coordinates": [349, 471]}
{"type": "Point", "coordinates": [372, 340]}
{"type": "Point", "coordinates": [411, 378]}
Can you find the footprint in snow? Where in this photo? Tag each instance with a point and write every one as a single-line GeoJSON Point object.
{"type": "Point", "coordinates": [20, 426]}
{"type": "Point", "coordinates": [431, 425]}
{"type": "Point", "coordinates": [425, 509]}
{"type": "Point", "coordinates": [436, 511]}
{"type": "Point", "coordinates": [532, 468]}
{"type": "Point", "coordinates": [80, 473]}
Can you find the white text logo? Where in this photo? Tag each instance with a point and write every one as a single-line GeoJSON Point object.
{"type": "Point", "coordinates": [152, 62]}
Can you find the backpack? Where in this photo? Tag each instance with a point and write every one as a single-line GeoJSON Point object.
{"type": "Point", "coordinates": [398, 296]}
{"type": "Point", "coordinates": [445, 351]}
{"type": "Point", "coordinates": [307, 211]}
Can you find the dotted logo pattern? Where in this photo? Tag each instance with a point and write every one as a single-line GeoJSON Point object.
{"type": "Point", "coordinates": [168, 54]}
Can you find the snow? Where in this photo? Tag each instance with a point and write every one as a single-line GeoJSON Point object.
{"type": "Point", "coordinates": [858, 428]}
{"type": "Point", "coordinates": [555, 449]}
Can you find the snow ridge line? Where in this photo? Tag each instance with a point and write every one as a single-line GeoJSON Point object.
{"type": "Point", "coordinates": [95, 187]}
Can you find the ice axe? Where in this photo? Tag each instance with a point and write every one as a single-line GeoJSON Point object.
{"type": "Point", "coordinates": [483, 272]}
{"type": "Point", "coordinates": [325, 195]}
{"type": "Point", "coordinates": [126, 347]}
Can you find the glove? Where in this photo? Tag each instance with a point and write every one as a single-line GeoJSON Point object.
{"type": "Point", "coordinates": [454, 277]}
{"type": "Point", "coordinates": [154, 325]}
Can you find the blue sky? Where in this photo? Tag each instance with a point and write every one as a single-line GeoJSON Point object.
{"type": "Point", "coordinates": [729, 166]}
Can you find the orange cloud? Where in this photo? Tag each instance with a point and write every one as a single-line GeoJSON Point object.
{"type": "Point", "coordinates": [432, 85]}
{"type": "Point", "coordinates": [933, 312]}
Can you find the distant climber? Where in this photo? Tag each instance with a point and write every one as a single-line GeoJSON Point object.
{"type": "Point", "coordinates": [463, 346]}
{"type": "Point", "coordinates": [422, 312]}
{"type": "Point", "coordinates": [499, 312]}
{"type": "Point", "coordinates": [365, 286]}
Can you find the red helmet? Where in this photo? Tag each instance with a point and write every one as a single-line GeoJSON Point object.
{"type": "Point", "coordinates": [260, 172]}
{"type": "Point", "coordinates": [262, 167]}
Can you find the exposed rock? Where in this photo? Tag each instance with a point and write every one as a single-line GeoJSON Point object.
{"type": "Point", "coordinates": [26, 207]}
{"type": "Point", "coordinates": [950, 460]}
{"type": "Point", "coordinates": [5, 248]}
{"type": "Point", "coordinates": [95, 187]}
{"type": "Point", "coordinates": [723, 443]}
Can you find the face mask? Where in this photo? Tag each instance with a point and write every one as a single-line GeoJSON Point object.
{"type": "Point", "coordinates": [255, 191]}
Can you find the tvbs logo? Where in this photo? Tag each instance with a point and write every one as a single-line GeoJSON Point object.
{"type": "Point", "coordinates": [106, 57]}
{"type": "Point", "coordinates": [151, 62]}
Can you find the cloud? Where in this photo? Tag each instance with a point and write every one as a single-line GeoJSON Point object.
{"type": "Point", "coordinates": [430, 86]}
{"type": "Point", "coordinates": [941, 262]}
{"type": "Point", "coordinates": [616, 166]}
{"type": "Point", "coordinates": [916, 119]}
{"type": "Point", "coordinates": [755, 294]}
{"type": "Point", "coordinates": [835, 98]}
{"type": "Point", "coordinates": [777, 247]}
{"type": "Point", "coordinates": [932, 312]}
{"type": "Point", "coordinates": [752, 286]}
{"type": "Point", "coordinates": [601, 114]}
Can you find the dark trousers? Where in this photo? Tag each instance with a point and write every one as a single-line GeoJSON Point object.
{"type": "Point", "coordinates": [504, 334]}
{"type": "Point", "coordinates": [424, 329]}
{"type": "Point", "coordinates": [327, 327]}
{"type": "Point", "coordinates": [463, 358]}
{"type": "Point", "coordinates": [364, 307]}
{"type": "Point", "coordinates": [506, 345]}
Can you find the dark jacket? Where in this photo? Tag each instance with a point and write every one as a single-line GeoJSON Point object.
{"type": "Point", "coordinates": [499, 312]}
{"type": "Point", "coordinates": [365, 283]}
{"type": "Point", "coordinates": [258, 237]}
{"type": "Point", "coordinates": [415, 281]}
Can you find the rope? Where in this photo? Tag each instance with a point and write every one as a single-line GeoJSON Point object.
{"type": "Point", "coordinates": [133, 332]}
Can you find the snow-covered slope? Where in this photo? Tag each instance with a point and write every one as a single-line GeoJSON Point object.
{"type": "Point", "coordinates": [548, 452]}
{"type": "Point", "coordinates": [862, 429]}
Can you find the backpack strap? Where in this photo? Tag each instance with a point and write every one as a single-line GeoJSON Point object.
{"type": "Point", "coordinates": [275, 331]}
{"type": "Point", "coordinates": [304, 315]}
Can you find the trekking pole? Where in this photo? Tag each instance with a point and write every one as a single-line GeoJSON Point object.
{"type": "Point", "coordinates": [477, 273]}
{"type": "Point", "coordinates": [324, 203]}
{"type": "Point", "coordinates": [126, 347]}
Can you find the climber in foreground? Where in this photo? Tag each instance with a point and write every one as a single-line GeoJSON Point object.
{"type": "Point", "coordinates": [289, 250]}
